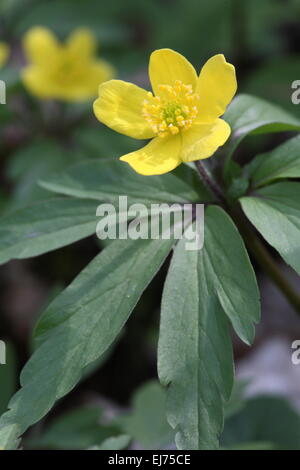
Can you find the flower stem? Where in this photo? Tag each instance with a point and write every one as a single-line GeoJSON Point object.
{"type": "Point", "coordinates": [210, 182]}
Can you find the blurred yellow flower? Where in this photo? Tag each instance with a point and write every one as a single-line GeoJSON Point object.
{"type": "Point", "coordinates": [181, 115]}
{"type": "Point", "coordinates": [67, 71]}
{"type": "Point", "coordinates": [4, 52]}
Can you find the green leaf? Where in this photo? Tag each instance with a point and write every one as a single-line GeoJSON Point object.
{"type": "Point", "coordinates": [147, 422]}
{"type": "Point", "coordinates": [79, 326]}
{"type": "Point", "coordinates": [102, 142]}
{"type": "Point", "coordinates": [249, 114]}
{"type": "Point", "coordinates": [263, 420]}
{"type": "Point", "coordinates": [194, 357]}
{"type": "Point", "coordinates": [37, 158]}
{"type": "Point", "coordinates": [32, 162]}
{"type": "Point", "coordinates": [282, 162]}
{"type": "Point", "coordinates": [46, 226]}
{"type": "Point", "coordinates": [237, 400]}
{"type": "Point", "coordinates": [105, 180]}
{"type": "Point", "coordinates": [238, 187]}
{"type": "Point", "coordinates": [262, 445]}
{"type": "Point", "coordinates": [76, 429]}
{"type": "Point", "coordinates": [113, 443]}
{"type": "Point", "coordinates": [8, 377]}
{"type": "Point", "coordinates": [230, 273]}
{"type": "Point", "coordinates": [275, 212]}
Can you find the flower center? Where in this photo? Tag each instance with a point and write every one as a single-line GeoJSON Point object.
{"type": "Point", "coordinates": [173, 111]}
{"type": "Point", "coordinates": [67, 69]}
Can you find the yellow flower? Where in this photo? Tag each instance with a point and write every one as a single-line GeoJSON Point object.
{"type": "Point", "coordinates": [69, 71]}
{"type": "Point", "coordinates": [181, 115]}
{"type": "Point", "coordinates": [4, 52]}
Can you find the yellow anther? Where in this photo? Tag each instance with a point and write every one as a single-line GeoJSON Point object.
{"type": "Point", "coordinates": [173, 110]}
{"type": "Point", "coordinates": [173, 129]}
{"type": "Point", "coordinates": [163, 126]}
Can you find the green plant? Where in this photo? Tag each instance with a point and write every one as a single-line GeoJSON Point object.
{"type": "Point", "coordinates": [205, 291]}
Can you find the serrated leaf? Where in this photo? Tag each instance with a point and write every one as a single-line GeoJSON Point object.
{"type": "Point", "coordinates": [105, 180]}
{"type": "Point", "coordinates": [79, 326]}
{"type": "Point", "coordinates": [46, 226]}
{"type": "Point", "coordinates": [275, 212]}
{"type": "Point", "coordinates": [194, 356]}
{"type": "Point", "coordinates": [282, 162]}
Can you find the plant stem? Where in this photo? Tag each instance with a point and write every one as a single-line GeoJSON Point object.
{"type": "Point", "coordinates": [265, 260]}
{"type": "Point", "coordinates": [210, 182]}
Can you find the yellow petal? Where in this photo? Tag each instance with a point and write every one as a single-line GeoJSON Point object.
{"type": "Point", "coordinates": [94, 74]}
{"type": "Point", "coordinates": [41, 46]}
{"type": "Point", "coordinates": [216, 88]}
{"type": "Point", "coordinates": [166, 66]}
{"type": "Point", "coordinates": [86, 87]}
{"type": "Point", "coordinates": [4, 52]}
{"type": "Point", "coordinates": [120, 105]}
{"type": "Point", "coordinates": [161, 155]}
{"type": "Point", "coordinates": [202, 140]}
{"type": "Point", "coordinates": [37, 82]}
{"type": "Point", "coordinates": [82, 43]}
{"type": "Point", "coordinates": [41, 84]}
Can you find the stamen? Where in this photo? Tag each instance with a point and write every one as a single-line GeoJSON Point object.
{"type": "Point", "coordinates": [173, 111]}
